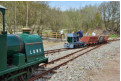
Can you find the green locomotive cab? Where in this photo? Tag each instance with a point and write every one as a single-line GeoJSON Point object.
{"type": "Point", "coordinates": [19, 54]}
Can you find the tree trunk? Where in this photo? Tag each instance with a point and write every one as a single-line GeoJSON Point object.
{"type": "Point", "coordinates": [27, 16]}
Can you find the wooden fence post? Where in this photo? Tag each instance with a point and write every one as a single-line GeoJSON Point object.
{"type": "Point", "coordinates": [46, 35]}
{"type": "Point", "coordinates": [65, 36]}
{"type": "Point", "coordinates": [61, 36]}
{"type": "Point", "coordinates": [56, 35]}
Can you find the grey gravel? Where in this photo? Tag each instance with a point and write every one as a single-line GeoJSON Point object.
{"type": "Point", "coordinates": [54, 47]}
{"type": "Point", "coordinates": [76, 69]}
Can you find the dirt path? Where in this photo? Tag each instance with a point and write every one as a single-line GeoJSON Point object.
{"type": "Point", "coordinates": [51, 43]}
{"type": "Point", "coordinates": [111, 71]}
{"type": "Point", "coordinates": [102, 64]}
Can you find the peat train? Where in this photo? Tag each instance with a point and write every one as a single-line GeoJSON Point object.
{"type": "Point", "coordinates": [19, 54]}
{"type": "Point", "coordinates": [73, 41]}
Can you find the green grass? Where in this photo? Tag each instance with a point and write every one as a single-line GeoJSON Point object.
{"type": "Point", "coordinates": [114, 36]}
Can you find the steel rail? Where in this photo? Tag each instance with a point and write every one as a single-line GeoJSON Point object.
{"type": "Point", "coordinates": [55, 50]}
{"type": "Point", "coordinates": [58, 50]}
{"type": "Point", "coordinates": [47, 71]}
{"type": "Point", "coordinates": [113, 40]}
{"type": "Point", "coordinates": [69, 54]}
{"type": "Point", "coordinates": [55, 60]}
{"type": "Point", "coordinates": [64, 49]}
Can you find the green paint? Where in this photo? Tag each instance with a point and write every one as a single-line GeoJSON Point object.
{"type": "Point", "coordinates": [33, 53]}
{"type": "Point", "coordinates": [26, 32]}
{"type": "Point", "coordinates": [69, 39]}
{"type": "Point", "coordinates": [15, 68]}
{"type": "Point", "coordinates": [3, 52]}
{"type": "Point", "coordinates": [3, 40]}
{"type": "Point", "coordinates": [14, 76]}
{"type": "Point", "coordinates": [32, 50]}
{"type": "Point", "coordinates": [13, 45]}
{"type": "Point", "coordinates": [2, 9]}
{"type": "Point", "coordinates": [19, 59]}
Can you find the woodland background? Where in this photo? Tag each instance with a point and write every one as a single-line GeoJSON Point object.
{"type": "Point", "coordinates": [41, 18]}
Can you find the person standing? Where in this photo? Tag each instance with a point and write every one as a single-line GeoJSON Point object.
{"type": "Point", "coordinates": [80, 33]}
{"type": "Point", "coordinates": [62, 33]}
{"type": "Point", "coordinates": [86, 34]}
{"type": "Point", "coordinates": [93, 34]}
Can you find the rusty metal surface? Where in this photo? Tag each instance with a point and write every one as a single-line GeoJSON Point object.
{"type": "Point", "coordinates": [62, 57]}
{"type": "Point", "coordinates": [55, 50]}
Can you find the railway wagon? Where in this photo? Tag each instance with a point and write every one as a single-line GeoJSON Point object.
{"type": "Point", "coordinates": [89, 39]}
{"type": "Point", "coordinates": [103, 38]}
{"type": "Point", "coordinates": [20, 54]}
{"type": "Point", "coordinates": [106, 38]}
{"type": "Point", "coordinates": [73, 41]}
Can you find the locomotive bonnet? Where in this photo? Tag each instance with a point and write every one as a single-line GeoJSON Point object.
{"type": "Point", "coordinates": [30, 45]}
{"type": "Point", "coordinates": [19, 54]}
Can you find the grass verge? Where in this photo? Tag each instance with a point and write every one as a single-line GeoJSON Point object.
{"type": "Point", "coordinates": [114, 36]}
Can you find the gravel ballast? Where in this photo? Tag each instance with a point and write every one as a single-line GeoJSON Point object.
{"type": "Point", "coordinates": [77, 69]}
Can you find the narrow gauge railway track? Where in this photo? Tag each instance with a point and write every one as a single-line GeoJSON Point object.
{"type": "Point", "coordinates": [55, 50]}
{"type": "Point", "coordinates": [64, 49]}
{"type": "Point", "coordinates": [58, 59]}
{"type": "Point", "coordinates": [63, 63]}
{"type": "Point", "coordinates": [113, 40]}
{"type": "Point", "coordinates": [55, 67]}
{"type": "Point", "coordinates": [58, 50]}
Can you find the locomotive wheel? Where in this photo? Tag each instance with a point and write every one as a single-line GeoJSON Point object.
{"type": "Point", "coordinates": [12, 76]}
{"type": "Point", "coordinates": [20, 75]}
{"type": "Point", "coordinates": [29, 72]}
{"type": "Point", "coordinates": [21, 78]}
{"type": "Point", "coordinates": [27, 75]}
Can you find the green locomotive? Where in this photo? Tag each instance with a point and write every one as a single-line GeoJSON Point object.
{"type": "Point", "coordinates": [20, 54]}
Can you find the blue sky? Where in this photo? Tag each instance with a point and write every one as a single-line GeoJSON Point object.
{"type": "Point", "coordinates": [64, 5]}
